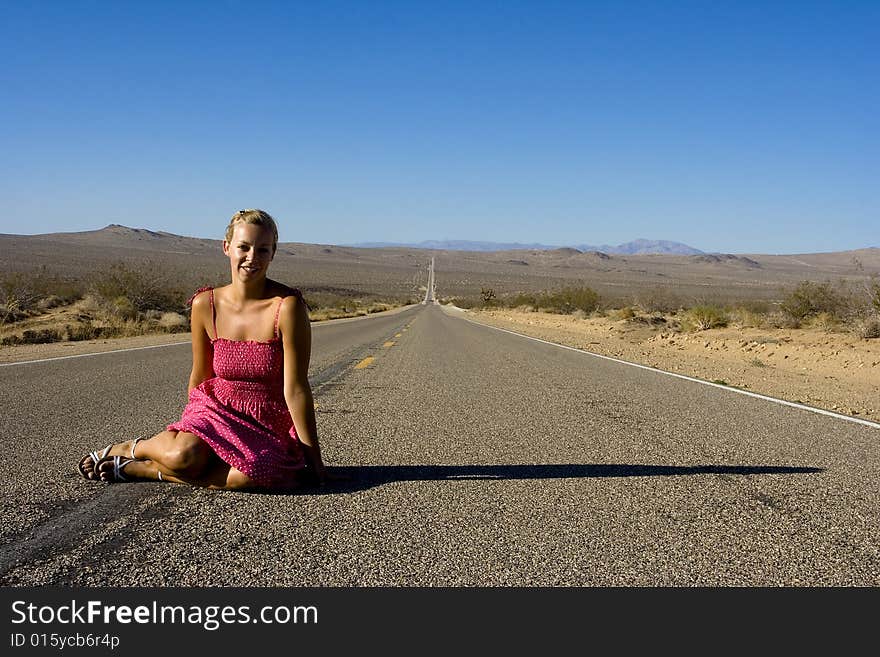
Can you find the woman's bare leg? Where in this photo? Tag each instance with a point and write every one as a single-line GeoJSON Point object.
{"type": "Point", "coordinates": [179, 454]}
{"type": "Point", "coordinates": [181, 457]}
{"type": "Point", "coordinates": [220, 477]}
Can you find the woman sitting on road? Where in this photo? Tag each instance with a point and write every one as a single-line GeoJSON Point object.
{"type": "Point", "coordinates": [250, 419]}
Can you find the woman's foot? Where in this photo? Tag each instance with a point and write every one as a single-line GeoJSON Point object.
{"type": "Point", "coordinates": [89, 461]}
{"type": "Point", "coordinates": [118, 469]}
{"type": "Point", "coordinates": [111, 469]}
{"type": "Point", "coordinates": [88, 466]}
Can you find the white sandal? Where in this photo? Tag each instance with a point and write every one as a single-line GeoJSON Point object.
{"type": "Point", "coordinates": [119, 463]}
{"type": "Point", "coordinates": [96, 458]}
{"type": "Point", "coordinates": [133, 445]}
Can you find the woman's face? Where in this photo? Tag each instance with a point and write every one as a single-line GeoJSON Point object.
{"type": "Point", "coordinates": [250, 251]}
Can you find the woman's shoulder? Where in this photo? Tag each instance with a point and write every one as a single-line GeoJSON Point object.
{"type": "Point", "coordinates": [202, 296]}
{"type": "Point", "coordinates": [282, 290]}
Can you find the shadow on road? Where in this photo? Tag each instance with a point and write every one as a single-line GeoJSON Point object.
{"type": "Point", "coordinates": [368, 476]}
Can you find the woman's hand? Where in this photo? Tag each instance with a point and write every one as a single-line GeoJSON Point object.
{"type": "Point", "coordinates": [321, 475]}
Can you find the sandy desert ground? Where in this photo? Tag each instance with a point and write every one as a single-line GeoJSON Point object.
{"type": "Point", "coordinates": [834, 371]}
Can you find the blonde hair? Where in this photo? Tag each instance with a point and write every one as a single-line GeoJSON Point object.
{"type": "Point", "coordinates": [257, 217]}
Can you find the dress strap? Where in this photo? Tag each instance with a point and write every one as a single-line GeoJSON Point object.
{"type": "Point", "coordinates": [277, 315]}
{"type": "Point", "coordinates": [214, 315]}
{"type": "Point", "coordinates": [189, 303]}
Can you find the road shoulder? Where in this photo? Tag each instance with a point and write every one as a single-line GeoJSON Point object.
{"type": "Point", "coordinates": [835, 372]}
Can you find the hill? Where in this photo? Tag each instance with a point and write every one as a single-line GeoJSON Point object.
{"type": "Point", "coordinates": [400, 272]}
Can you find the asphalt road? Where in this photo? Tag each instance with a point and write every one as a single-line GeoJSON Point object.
{"type": "Point", "coordinates": [476, 457]}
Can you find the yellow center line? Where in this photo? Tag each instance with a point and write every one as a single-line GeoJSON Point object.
{"type": "Point", "coordinates": [388, 344]}
{"type": "Point", "coordinates": [364, 363]}
{"type": "Point", "coordinates": [397, 335]}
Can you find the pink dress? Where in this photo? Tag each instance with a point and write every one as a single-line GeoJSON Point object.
{"type": "Point", "coordinates": [241, 411]}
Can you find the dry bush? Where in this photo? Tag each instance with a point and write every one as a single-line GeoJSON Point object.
{"type": "Point", "coordinates": [48, 303]}
{"type": "Point", "coordinates": [173, 323]}
{"type": "Point", "coordinates": [869, 290]}
{"type": "Point", "coordinates": [87, 331]}
{"type": "Point", "coordinates": [867, 328]}
{"type": "Point", "coordinates": [780, 320]}
{"type": "Point", "coordinates": [702, 318]}
{"type": "Point", "coordinates": [569, 299]}
{"type": "Point", "coordinates": [127, 290]}
{"type": "Point", "coordinates": [26, 294]}
{"type": "Point", "coordinates": [17, 297]}
{"type": "Point", "coordinates": [522, 299]}
{"type": "Point", "coordinates": [463, 302]}
{"type": "Point", "coordinates": [564, 301]}
{"type": "Point", "coordinates": [743, 317]}
{"type": "Point", "coordinates": [809, 299]}
{"type": "Point", "coordinates": [872, 291]}
{"type": "Point", "coordinates": [658, 300]}
{"type": "Point", "coordinates": [329, 302]}
{"type": "Point", "coordinates": [649, 320]}
{"type": "Point", "coordinates": [32, 336]}
{"type": "Point", "coordinates": [824, 321]}
{"type": "Point", "coordinates": [619, 314]}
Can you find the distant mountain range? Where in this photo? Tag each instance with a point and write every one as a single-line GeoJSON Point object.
{"type": "Point", "coordinates": [636, 247]}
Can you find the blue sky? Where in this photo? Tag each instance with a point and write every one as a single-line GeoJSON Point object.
{"type": "Point", "coordinates": [731, 126]}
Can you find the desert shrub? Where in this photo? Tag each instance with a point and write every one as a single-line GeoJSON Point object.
{"type": "Point", "coordinates": [125, 290]}
{"type": "Point", "coordinates": [810, 298]}
{"type": "Point", "coordinates": [18, 296]}
{"type": "Point", "coordinates": [701, 318]}
{"type": "Point", "coordinates": [463, 302]}
{"type": "Point", "coordinates": [744, 317]}
{"type": "Point", "coordinates": [824, 321]}
{"type": "Point", "coordinates": [861, 305]}
{"type": "Point", "coordinates": [779, 320]}
{"type": "Point", "coordinates": [86, 331]}
{"type": "Point", "coordinates": [26, 293]}
{"type": "Point", "coordinates": [867, 328]}
{"type": "Point", "coordinates": [487, 296]}
{"type": "Point", "coordinates": [658, 300]}
{"type": "Point", "coordinates": [627, 312]}
{"type": "Point", "coordinates": [173, 322]}
{"type": "Point", "coordinates": [872, 289]}
{"type": "Point", "coordinates": [521, 299]}
{"type": "Point", "coordinates": [648, 320]}
{"type": "Point", "coordinates": [569, 299]}
{"type": "Point", "coordinates": [124, 307]}
{"type": "Point", "coordinates": [33, 336]}
{"type": "Point", "coordinates": [125, 328]}
{"type": "Point", "coordinates": [48, 302]}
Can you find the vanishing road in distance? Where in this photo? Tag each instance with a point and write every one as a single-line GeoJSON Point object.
{"type": "Point", "coordinates": [476, 457]}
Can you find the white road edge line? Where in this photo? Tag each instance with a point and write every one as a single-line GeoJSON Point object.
{"type": "Point", "coordinates": [94, 353]}
{"type": "Point", "coordinates": [812, 409]}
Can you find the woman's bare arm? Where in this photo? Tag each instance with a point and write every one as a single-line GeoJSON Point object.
{"type": "Point", "coordinates": [296, 333]}
{"type": "Point", "coordinates": [202, 352]}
